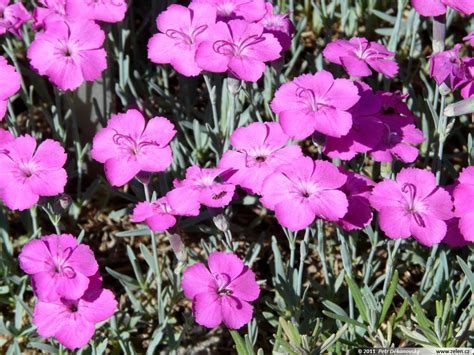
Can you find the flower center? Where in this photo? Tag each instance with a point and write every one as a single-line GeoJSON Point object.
{"type": "Point", "coordinates": [226, 8]}
{"type": "Point", "coordinates": [307, 97]}
{"type": "Point", "coordinates": [228, 48]}
{"type": "Point", "coordinates": [413, 206]}
{"type": "Point", "coordinates": [129, 144]}
{"type": "Point", "coordinates": [390, 137]}
{"type": "Point", "coordinates": [223, 281]}
{"type": "Point", "coordinates": [186, 38]}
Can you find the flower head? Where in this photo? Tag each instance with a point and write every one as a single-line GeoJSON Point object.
{"type": "Point", "coordinates": [239, 47]}
{"type": "Point", "coordinates": [68, 57]}
{"type": "Point", "coordinates": [182, 29]}
{"type": "Point", "coordinates": [202, 184]}
{"type": "Point", "coordinates": [278, 25]}
{"type": "Point", "coordinates": [412, 206]}
{"type": "Point", "coordinates": [160, 215]}
{"type": "Point", "coordinates": [248, 10]}
{"type": "Point", "coordinates": [48, 10]}
{"type": "Point", "coordinates": [357, 189]}
{"type": "Point", "coordinates": [464, 202]}
{"type": "Point", "coordinates": [259, 149]}
{"type": "Point", "coordinates": [315, 102]}
{"type": "Point", "coordinates": [72, 322]}
{"type": "Point", "coordinates": [222, 292]}
{"type": "Point", "coordinates": [59, 266]}
{"type": "Point", "coordinates": [28, 171]}
{"type": "Point", "coordinates": [303, 190]}
{"type": "Point", "coordinates": [439, 7]}
{"type": "Point", "coordinates": [12, 17]}
{"type": "Point", "coordinates": [11, 82]}
{"type": "Point", "coordinates": [447, 67]}
{"type": "Point", "coordinates": [127, 146]}
{"type": "Point", "coordinates": [358, 56]}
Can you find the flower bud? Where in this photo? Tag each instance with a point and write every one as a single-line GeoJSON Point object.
{"type": "Point", "coordinates": [221, 222]}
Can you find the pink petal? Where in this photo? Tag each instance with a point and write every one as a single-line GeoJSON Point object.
{"type": "Point", "coordinates": [431, 232]}
{"type": "Point", "coordinates": [294, 215]}
{"type": "Point", "coordinates": [332, 122]}
{"type": "Point", "coordinates": [246, 68]}
{"type": "Point", "coordinates": [75, 333]}
{"type": "Point", "coordinates": [49, 318]}
{"type": "Point", "coordinates": [153, 159]}
{"type": "Point", "coordinates": [93, 63]}
{"type": "Point", "coordinates": [355, 66]}
{"type": "Point", "coordinates": [71, 288]}
{"type": "Point", "coordinates": [159, 130]}
{"type": "Point", "coordinates": [103, 146]}
{"type": "Point", "coordinates": [395, 222]}
{"type": "Point", "coordinates": [424, 180]}
{"type": "Point", "coordinates": [253, 135]}
{"type": "Point", "coordinates": [207, 309]}
{"type": "Point", "coordinates": [83, 260]}
{"type": "Point", "coordinates": [48, 182]}
{"type": "Point", "coordinates": [33, 257]}
{"type": "Point", "coordinates": [467, 227]}
{"type": "Point", "coordinates": [18, 196]}
{"type": "Point", "coordinates": [100, 308]}
{"type": "Point", "coordinates": [297, 124]}
{"type": "Point", "coordinates": [330, 204]}
{"type": "Point", "coordinates": [245, 287]}
{"type": "Point", "coordinates": [50, 155]}
{"type": "Point", "coordinates": [429, 7]}
{"type": "Point", "coordinates": [225, 263]}
{"type": "Point", "coordinates": [121, 170]}
{"type": "Point", "coordinates": [197, 279]}
{"type": "Point", "coordinates": [235, 313]}
{"type": "Point", "coordinates": [386, 193]}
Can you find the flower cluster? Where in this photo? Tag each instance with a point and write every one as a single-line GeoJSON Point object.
{"type": "Point", "coordinates": [219, 36]}
{"type": "Point", "coordinates": [67, 283]}
{"type": "Point", "coordinates": [222, 292]}
{"type": "Point", "coordinates": [12, 17]}
{"type": "Point", "coordinates": [61, 51]}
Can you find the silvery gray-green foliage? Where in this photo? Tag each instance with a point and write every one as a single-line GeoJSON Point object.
{"type": "Point", "coordinates": [324, 290]}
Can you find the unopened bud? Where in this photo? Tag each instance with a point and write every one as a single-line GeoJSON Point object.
{"type": "Point", "coordinates": [221, 222]}
{"type": "Point", "coordinates": [233, 85]}
{"type": "Point", "coordinates": [61, 204]}
{"type": "Point", "coordinates": [144, 177]}
{"type": "Point", "coordinates": [178, 247]}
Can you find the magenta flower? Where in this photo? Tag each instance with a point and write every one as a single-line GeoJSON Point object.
{"type": "Point", "coordinates": [11, 82]}
{"type": "Point", "coordinates": [357, 189]}
{"type": "Point", "coordinates": [358, 56]}
{"type": "Point", "coordinates": [221, 293]}
{"type": "Point", "coordinates": [127, 146]}
{"type": "Point", "coordinates": [50, 10]}
{"type": "Point", "coordinates": [366, 131]}
{"type": "Point", "coordinates": [400, 133]}
{"type": "Point", "coordinates": [249, 10]}
{"type": "Point", "coordinates": [28, 171]}
{"type": "Point", "coordinates": [239, 47]}
{"type": "Point", "coordinates": [315, 102]}
{"type": "Point", "coordinates": [413, 205]}
{"type": "Point", "coordinates": [464, 203]}
{"type": "Point", "coordinates": [59, 266]}
{"type": "Point", "coordinates": [72, 322]}
{"type": "Point", "coordinates": [182, 30]}
{"type": "Point", "coordinates": [260, 149]}
{"type": "Point", "coordinates": [439, 7]}
{"type": "Point", "coordinates": [109, 11]}
{"type": "Point", "coordinates": [447, 67]}
{"type": "Point", "coordinates": [12, 17]}
{"type": "Point", "coordinates": [210, 192]}
{"type": "Point", "coordinates": [303, 190]}
{"type": "Point", "coordinates": [160, 215]}
{"type": "Point", "coordinates": [470, 38]}
{"type": "Point", "coordinates": [68, 57]}
{"type": "Point", "coordinates": [454, 237]}
{"type": "Point", "coordinates": [279, 25]}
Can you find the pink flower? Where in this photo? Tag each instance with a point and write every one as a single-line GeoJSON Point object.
{"type": "Point", "coordinates": [279, 26]}
{"type": "Point", "coordinates": [260, 149]}
{"type": "Point", "coordinates": [358, 56]}
{"type": "Point", "coordinates": [182, 30]}
{"type": "Point", "coordinates": [239, 47]}
{"type": "Point", "coordinates": [470, 38]}
{"type": "Point", "coordinates": [11, 82]}
{"type": "Point", "coordinates": [249, 10]}
{"type": "Point", "coordinates": [110, 11]}
{"type": "Point", "coordinates": [59, 266]}
{"type": "Point", "coordinates": [448, 67]}
{"type": "Point", "coordinates": [464, 203]}
{"type": "Point", "coordinates": [160, 214]}
{"type": "Point", "coordinates": [28, 171]}
{"type": "Point", "coordinates": [315, 102]}
{"type": "Point", "coordinates": [303, 190]}
{"type": "Point", "coordinates": [357, 189]}
{"type": "Point", "coordinates": [454, 237]}
{"type": "Point", "coordinates": [72, 322]}
{"type": "Point", "coordinates": [66, 55]}
{"type": "Point", "coordinates": [210, 192]}
{"type": "Point", "coordinates": [439, 7]}
{"type": "Point", "coordinates": [50, 10]}
{"type": "Point", "coordinates": [366, 131]}
{"type": "Point", "coordinates": [413, 205]}
{"type": "Point", "coordinates": [221, 293]}
{"type": "Point", "coordinates": [399, 134]}
{"type": "Point", "coordinates": [127, 146]}
{"type": "Point", "coordinates": [12, 17]}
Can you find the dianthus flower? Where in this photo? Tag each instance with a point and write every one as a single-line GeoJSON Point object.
{"type": "Point", "coordinates": [28, 171]}
{"type": "Point", "coordinates": [358, 56]}
{"type": "Point", "coordinates": [160, 215]}
{"type": "Point", "coordinates": [221, 293]}
{"type": "Point", "coordinates": [413, 205]}
{"type": "Point", "coordinates": [464, 203]}
{"type": "Point", "coordinates": [439, 7]}
{"type": "Point", "coordinates": [357, 189]}
{"type": "Point", "coordinates": [182, 30]}
{"type": "Point", "coordinates": [454, 237]}
{"type": "Point", "coordinates": [59, 266]}
{"type": "Point", "coordinates": [72, 322]}
{"type": "Point", "coordinates": [210, 192]}
{"type": "Point", "coordinates": [278, 25]}
{"type": "Point", "coordinates": [127, 146]}
{"type": "Point", "coordinates": [447, 67]}
{"type": "Point", "coordinates": [248, 10]}
{"type": "Point", "coordinates": [12, 17]}
{"type": "Point", "coordinates": [315, 102]}
{"type": "Point", "coordinates": [304, 190]}
{"type": "Point", "coordinates": [67, 56]}
{"type": "Point", "coordinates": [259, 149]}
{"type": "Point", "coordinates": [239, 47]}
{"type": "Point", "coordinates": [10, 84]}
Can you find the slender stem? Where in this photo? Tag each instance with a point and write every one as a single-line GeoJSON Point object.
{"type": "Point", "coordinates": [442, 123]}
{"type": "Point", "coordinates": [213, 99]}
{"type": "Point", "coordinates": [34, 219]}
{"type": "Point", "coordinates": [321, 251]}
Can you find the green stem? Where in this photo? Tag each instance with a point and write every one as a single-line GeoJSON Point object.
{"type": "Point", "coordinates": [322, 252]}
{"type": "Point", "coordinates": [442, 123]}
